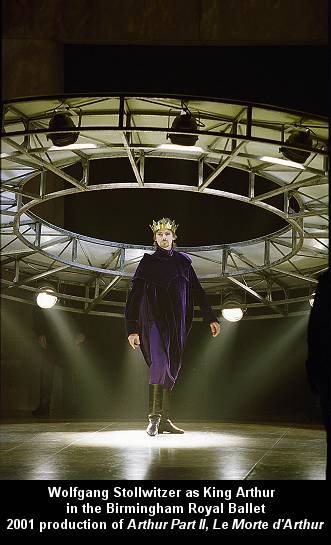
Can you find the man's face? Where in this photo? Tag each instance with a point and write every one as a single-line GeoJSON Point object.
{"type": "Point", "coordinates": [164, 238]}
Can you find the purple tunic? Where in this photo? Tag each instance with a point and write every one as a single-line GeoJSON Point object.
{"type": "Point", "coordinates": [160, 309]}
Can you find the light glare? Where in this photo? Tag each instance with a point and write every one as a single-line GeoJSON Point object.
{"type": "Point", "coordinates": [177, 147]}
{"type": "Point", "coordinates": [279, 161]}
{"type": "Point", "coordinates": [72, 146]}
{"type": "Point", "coordinates": [232, 314]}
{"type": "Point", "coordinates": [140, 440]}
{"type": "Point", "coordinates": [46, 299]}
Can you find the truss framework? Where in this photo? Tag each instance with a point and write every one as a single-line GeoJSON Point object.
{"type": "Point", "coordinates": [277, 273]}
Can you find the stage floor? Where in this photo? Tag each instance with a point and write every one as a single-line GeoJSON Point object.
{"type": "Point", "coordinates": [96, 449]}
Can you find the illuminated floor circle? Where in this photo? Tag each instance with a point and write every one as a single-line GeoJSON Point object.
{"type": "Point", "coordinates": [111, 451]}
{"type": "Point", "coordinates": [141, 440]}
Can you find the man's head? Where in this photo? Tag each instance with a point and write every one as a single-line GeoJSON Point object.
{"type": "Point", "coordinates": [164, 238]}
{"type": "Point", "coordinates": [164, 233]}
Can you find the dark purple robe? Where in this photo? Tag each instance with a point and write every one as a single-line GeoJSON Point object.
{"type": "Point", "coordinates": [160, 309]}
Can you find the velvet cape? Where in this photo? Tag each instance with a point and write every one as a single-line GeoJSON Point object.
{"type": "Point", "coordinates": [160, 308]}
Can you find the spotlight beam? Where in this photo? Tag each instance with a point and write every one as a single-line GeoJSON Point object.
{"type": "Point", "coordinates": [255, 294]}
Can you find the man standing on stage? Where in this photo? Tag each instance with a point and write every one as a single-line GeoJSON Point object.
{"type": "Point", "coordinates": [159, 314]}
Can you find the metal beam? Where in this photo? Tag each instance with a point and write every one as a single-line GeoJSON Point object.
{"type": "Point", "coordinates": [316, 236]}
{"type": "Point", "coordinates": [132, 160]}
{"type": "Point", "coordinates": [263, 274]}
{"type": "Point", "coordinates": [315, 180]}
{"type": "Point", "coordinates": [317, 226]}
{"type": "Point", "coordinates": [17, 270]}
{"type": "Point", "coordinates": [251, 185]}
{"type": "Point", "coordinates": [18, 160]}
{"type": "Point", "coordinates": [121, 259]}
{"type": "Point", "coordinates": [18, 191]}
{"type": "Point", "coordinates": [149, 129]}
{"type": "Point", "coordinates": [225, 255]}
{"type": "Point", "coordinates": [40, 275]}
{"type": "Point", "coordinates": [47, 244]}
{"type": "Point", "coordinates": [11, 241]}
{"type": "Point", "coordinates": [111, 258]}
{"type": "Point", "coordinates": [103, 293]}
{"type": "Point", "coordinates": [255, 294]}
{"type": "Point", "coordinates": [142, 164]}
{"type": "Point", "coordinates": [296, 275]}
{"type": "Point", "coordinates": [221, 166]}
{"type": "Point", "coordinates": [44, 164]}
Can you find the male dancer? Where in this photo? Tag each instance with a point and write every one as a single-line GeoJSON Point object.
{"type": "Point", "coordinates": [159, 314]}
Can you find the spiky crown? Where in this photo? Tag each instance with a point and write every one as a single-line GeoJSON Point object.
{"type": "Point", "coordinates": [164, 223]}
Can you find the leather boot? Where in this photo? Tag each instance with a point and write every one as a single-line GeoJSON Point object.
{"type": "Point", "coordinates": [166, 425]}
{"type": "Point", "coordinates": [155, 408]}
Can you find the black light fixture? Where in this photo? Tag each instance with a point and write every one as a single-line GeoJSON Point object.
{"type": "Point", "coordinates": [233, 307]}
{"type": "Point", "coordinates": [184, 122]}
{"type": "Point", "coordinates": [297, 138]}
{"type": "Point", "coordinates": [61, 121]}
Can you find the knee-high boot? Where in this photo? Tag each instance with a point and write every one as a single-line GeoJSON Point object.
{"type": "Point", "coordinates": [166, 425]}
{"type": "Point", "coordinates": [155, 408]}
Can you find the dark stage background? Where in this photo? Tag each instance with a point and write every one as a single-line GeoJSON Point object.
{"type": "Point", "coordinates": [254, 371]}
{"type": "Point", "coordinates": [277, 75]}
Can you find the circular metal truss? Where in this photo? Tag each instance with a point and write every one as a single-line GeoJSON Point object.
{"type": "Point", "coordinates": [276, 273]}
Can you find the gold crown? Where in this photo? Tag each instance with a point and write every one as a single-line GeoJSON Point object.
{"type": "Point", "coordinates": [164, 223]}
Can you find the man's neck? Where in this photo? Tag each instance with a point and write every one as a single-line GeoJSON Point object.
{"type": "Point", "coordinates": [166, 249]}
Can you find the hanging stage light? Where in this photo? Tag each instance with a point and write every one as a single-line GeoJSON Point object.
{"type": "Point", "coordinates": [184, 122]}
{"type": "Point", "coordinates": [46, 297]}
{"type": "Point", "coordinates": [59, 122]}
{"type": "Point", "coordinates": [232, 309]}
{"type": "Point", "coordinates": [232, 314]}
{"type": "Point", "coordinates": [297, 138]}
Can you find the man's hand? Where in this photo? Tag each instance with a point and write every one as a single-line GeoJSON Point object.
{"type": "Point", "coordinates": [215, 329]}
{"type": "Point", "coordinates": [134, 340]}
{"type": "Point", "coordinates": [42, 341]}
